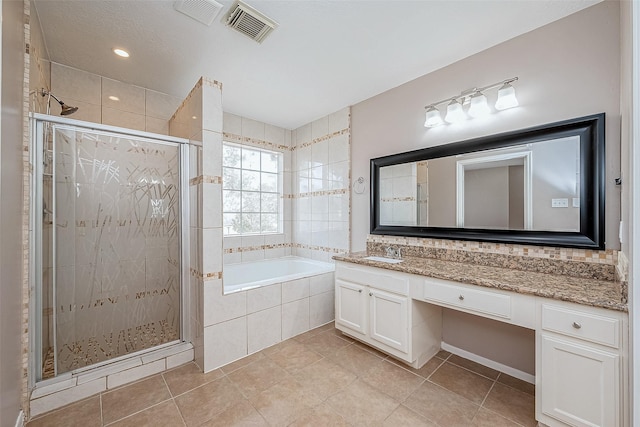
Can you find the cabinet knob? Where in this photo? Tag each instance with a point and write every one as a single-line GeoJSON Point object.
{"type": "Point", "coordinates": [370, 294]}
{"type": "Point", "coordinates": [360, 290]}
{"type": "Point", "coordinates": [461, 298]}
{"type": "Point", "coordinates": [577, 325]}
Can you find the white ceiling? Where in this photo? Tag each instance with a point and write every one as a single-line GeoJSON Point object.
{"type": "Point", "coordinates": [324, 55]}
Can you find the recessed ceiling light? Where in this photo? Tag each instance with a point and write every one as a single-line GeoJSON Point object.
{"type": "Point", "coordinates": [114, 98]}
{"type": "Point", "coordinates": [121, 52]}
{"type": "Point", "coordinates": [194, 117]}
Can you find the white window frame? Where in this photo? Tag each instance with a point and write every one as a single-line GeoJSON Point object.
{"type": "Point", "coordinates": [279, 192]}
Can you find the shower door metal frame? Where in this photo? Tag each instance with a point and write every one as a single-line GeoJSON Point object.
{"type": "Point", "coordinates": [36, 218]}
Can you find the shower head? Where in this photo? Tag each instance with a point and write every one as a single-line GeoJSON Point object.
{"type": "Point", "coordinates": [66, 109]}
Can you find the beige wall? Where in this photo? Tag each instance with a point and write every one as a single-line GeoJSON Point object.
{"type": "Point", "coordinates": [567, 69]}
{"type": "Point", "coordinates": [11, 126]}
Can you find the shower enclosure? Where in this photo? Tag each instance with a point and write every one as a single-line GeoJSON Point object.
{"type": "Point", "coordinates": [107, 209]}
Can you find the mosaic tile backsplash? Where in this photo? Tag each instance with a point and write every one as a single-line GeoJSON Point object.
{"type": "Point", "coordinates": [565, 261]}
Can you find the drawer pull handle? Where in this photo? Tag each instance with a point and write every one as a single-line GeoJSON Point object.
{"type": "Point", "coordinates": [461, 298]}
{"type": "Point", "coordinates": [577, 325]}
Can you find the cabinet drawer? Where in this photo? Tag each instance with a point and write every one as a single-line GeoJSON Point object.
{"type": "Point", "coordinates": [470, 299]}
{"type": "Point", "coordinates": [374, 277]}
{"type": "Point", "coordinates": [587, 326]}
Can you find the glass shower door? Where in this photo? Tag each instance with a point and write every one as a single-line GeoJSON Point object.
{"type": "Point", "coordinates": [115, 290]}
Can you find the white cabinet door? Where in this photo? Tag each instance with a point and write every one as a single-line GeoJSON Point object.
{"type": "Point", "coordinates": [389, 317]}
{"type": "Point", "coordinates": [579, 383]}
{"type": "Point", "coordinates": [351, 306]}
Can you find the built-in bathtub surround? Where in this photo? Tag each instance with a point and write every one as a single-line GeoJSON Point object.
{"type": "Point", "coordinates": [248, 321]}
{"type": "Point", "coordinates": [321, 186]}
{"type": "Point", "coordinates": [245, 276]}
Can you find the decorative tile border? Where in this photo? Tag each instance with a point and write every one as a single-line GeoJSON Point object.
{"type": "Point", "coordinates": [205, 179]}
{"type": "Point", "coordinates": [257, 248]}
{"type": "Point", "coordinates": [335, 192]}
{"type": "Point", "coordinates": [320, 248]}
{"type": "Point", "coordinates": [398, 199]}
{"type": "Point", "coordinates": [205, 276]}
{"type": "Point", "coordinates": [608, 256]}
{"type": "Point", "coordinates": [232, 137]}
{"type": "Point", "coordinates": [324, 138]}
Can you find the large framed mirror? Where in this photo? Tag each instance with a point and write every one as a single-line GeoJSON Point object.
{"type": "Point", "coordinates": [541, 186]}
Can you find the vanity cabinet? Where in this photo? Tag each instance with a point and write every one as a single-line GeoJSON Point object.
{"type": "Point", "coordinates": [578, 365]}
{"type": "Point", "coordinates": [581, 373]}
{"type": "Point", "coordinates": [374, 306]}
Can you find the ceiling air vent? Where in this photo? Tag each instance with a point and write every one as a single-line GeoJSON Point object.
{"type": "Point", "coordinates": [204, 11]}
{"type": "Point", "coordinates": [250, 22]}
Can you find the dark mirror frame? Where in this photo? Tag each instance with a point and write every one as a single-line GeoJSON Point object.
{"type": "Point", "coordinates": [590, 129]}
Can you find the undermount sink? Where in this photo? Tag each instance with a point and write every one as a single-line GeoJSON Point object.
{"type": "Point", "coordinates": [383, 259]}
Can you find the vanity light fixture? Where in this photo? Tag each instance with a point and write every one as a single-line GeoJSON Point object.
{"type": "Point", "coordinates": [479, 107]}
{"type": "Point", "coordinates": [433, 117]}
{"type": "Point", "coordinates": [477, 101]}
{"type": "Point", "coordinates": [455, 112]}
{"type": "Point", "coordinates": [506, 97]}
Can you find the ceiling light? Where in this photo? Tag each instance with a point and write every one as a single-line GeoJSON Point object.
{"type": "Point", "coordinates": [121, 52]}
{"type": "Point", "coordinates": [433, 117]}
{"type": "Point", "coordinates": [477, 101]}
{"type": "Point", "coordinates": [479, 106]}
{"type": "Point", "coordinates": [455, 113]}
{"type": "Point", "coordinates": [506, 97]}
{"type": "Point", "coordinates": [114, 98]}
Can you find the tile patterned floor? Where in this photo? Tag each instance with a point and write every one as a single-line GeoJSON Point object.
{"type": "Point", "coordinates": [320, 378]}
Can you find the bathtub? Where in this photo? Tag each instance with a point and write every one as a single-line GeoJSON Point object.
{"type": "Point", "coordinates": [250, 275]}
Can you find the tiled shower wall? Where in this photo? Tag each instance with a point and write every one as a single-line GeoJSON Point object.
{"type": "Point", "coordinates": [102, 100]}
{"type": "Point", "coordinates": [252, 133]}
{"type": "Point", "coordinates": [321, 186]}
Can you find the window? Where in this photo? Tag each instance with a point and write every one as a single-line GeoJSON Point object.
{"type": "Point", "coordinates": [251, 190]}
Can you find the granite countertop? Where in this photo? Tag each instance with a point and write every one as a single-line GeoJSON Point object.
{"type": "Point", "coordinates": [592, 292]}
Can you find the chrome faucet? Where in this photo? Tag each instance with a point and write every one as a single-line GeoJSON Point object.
{"type": "Point", "coordinates": [392, 252]}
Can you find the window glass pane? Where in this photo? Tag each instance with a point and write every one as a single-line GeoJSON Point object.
{"type": "Point", "coordinates": [251, 223]}
{"type": "Point", "coordinates": [269, 182]}
{"type": "Point", "coordinates": [231, 156]}
{"type": "Point", "coordinates": [231, 201]}
{"type": "Point", "coordinates": [270, 162]}
{"type": "Point", "coordinates": [250, 201]}
{"type": "Point", "coordinates": [231, 179]}
{"type": "Point", "coordinates": [269, 223]}
{"type": "Point", "coordinates": [231, 223]}
{"type": "Point", "coordinates": [269, 202]}
{"type": "Point", "coordinates": [250, 180]}
{"type": "Point", "coordinates": [250, 159]}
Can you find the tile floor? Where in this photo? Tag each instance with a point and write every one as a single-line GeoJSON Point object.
{"type": "Point", "coordinates": [320, 378]}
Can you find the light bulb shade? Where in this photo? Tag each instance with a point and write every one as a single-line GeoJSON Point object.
{"type": "Point", "coordinates": [433, 118]}
{"type": "Point", "coordinates": [479, 106]}
{"type": "Point", "coordinates": [506, 97]}
{"type": "Point", "coordinates": [455, 113]}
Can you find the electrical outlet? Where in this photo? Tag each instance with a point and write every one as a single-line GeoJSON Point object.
{"type": "Point", "coordinates": [576, 202]}
{"type": "Point", "coordinates": [559, 203]}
